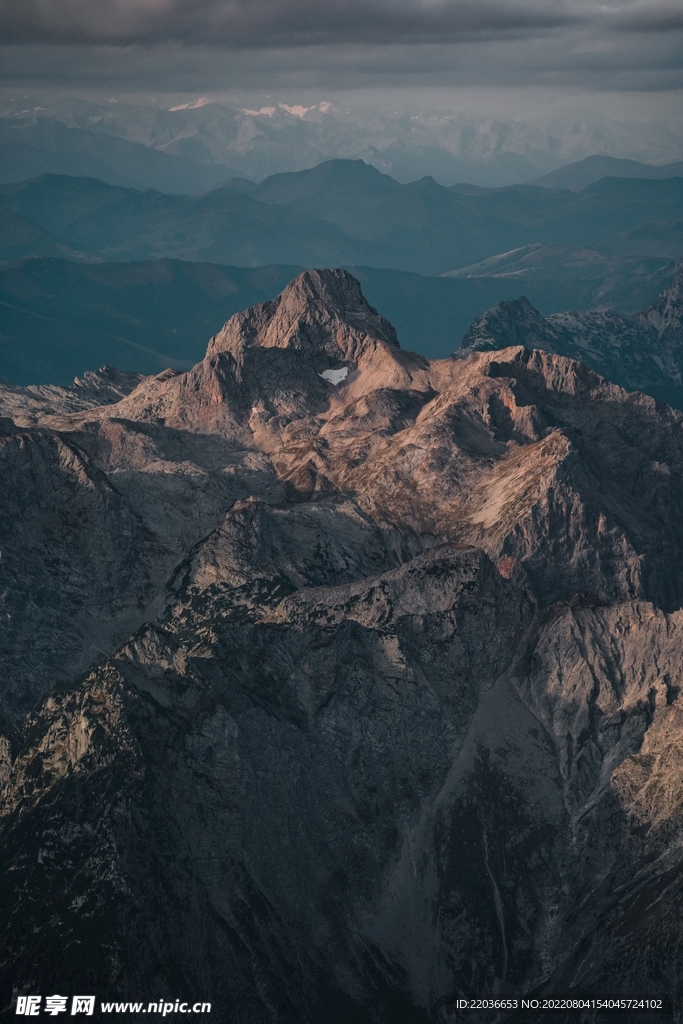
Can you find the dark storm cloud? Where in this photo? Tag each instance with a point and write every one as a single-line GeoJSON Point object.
{"type": "Point", "coordinates": [257, 23]}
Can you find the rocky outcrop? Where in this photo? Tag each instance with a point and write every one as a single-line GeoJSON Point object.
{"type": "Point", "coordinates": [514, 323]}
{"type": "Point", "coordinates": [357, 697]}
{"type": "Point", "coordinates": [642, 353]}
{"type": "Point", "coordinates": [665, 316]}
{"type": "Point", "coordinates": [35, 403]}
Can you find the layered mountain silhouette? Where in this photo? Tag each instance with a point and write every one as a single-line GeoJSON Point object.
{"type": "Point", "coordinates": [32, 146]}
{"type": "Point", "coordinates": [406, 143]}
{"type": "Point", "coordinates": [578, 175]}
{"type": "Point", "coordinates": [612, 246]}
{"type": "Point", "coordinates": [347, 212]}
{"type": "Point", "coordinates": [340, 683]}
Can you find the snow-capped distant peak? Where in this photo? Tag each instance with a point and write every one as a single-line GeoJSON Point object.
{"type": "Point", "coordinates": [201, 102]}
{"type": "Point", "coordinates": [296, 111]}
{"type": "Point", "coordinates": [264, 111]}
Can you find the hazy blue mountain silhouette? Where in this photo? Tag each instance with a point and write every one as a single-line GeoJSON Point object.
{"type": "Point", "coordinates": [33, 146]}
{"type": "Point", "coordinates": [578, 175]}
{"type": "Point", "coordinates": [341, 212]}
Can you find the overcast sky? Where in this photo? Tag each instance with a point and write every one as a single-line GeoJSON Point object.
{"type": "Point", "coordinates": [548, 48]}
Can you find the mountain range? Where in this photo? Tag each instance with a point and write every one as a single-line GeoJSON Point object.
{"type": "Point", "coordinates": [340, 683]}
{"type": "Point", "coordinates": [643, 352]}
{"type": "Point", "coordinates": [577, 176]}
{"type": "Point", "coordinates": [31, 147]}
{"type": "Point", "coordinates": [265, 137]}
{"type": "Point", "coordinates": [344, 212]}
{"type": "Point", "coordinates": [60, 318]}
{"type": "Point", "coordinates": [88, 291]}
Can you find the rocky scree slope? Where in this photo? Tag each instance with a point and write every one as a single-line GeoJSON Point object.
{"type": "Point", "coordinates": [365, 695]}
{"type": "Point", "coordinates": [642, 352]}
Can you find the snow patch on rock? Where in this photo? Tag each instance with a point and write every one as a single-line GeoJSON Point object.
{"type": "Point", "coordinates": [335, 376]}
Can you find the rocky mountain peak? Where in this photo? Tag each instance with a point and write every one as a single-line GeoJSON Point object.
{"type": "Point", "coordinates": [433, 618]}
{"type": "Point", "coordinates": [510, 323]}
{"type": "Point", "coordinates": [641, 352]}
{"type": "Point", "coordinates": [320, 311]}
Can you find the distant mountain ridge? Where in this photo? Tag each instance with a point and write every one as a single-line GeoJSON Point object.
{"type": "Point", "coordinates": [341, 212]}
{"type": "Point", "coordinates": [39, 145]}
{"type": "Point", "coordinates": [613, 280]}
{"type": "Point", "coordinates": [408, 142]}
{"type": "Point", "coordinates": [584, 172]}
{"type": "Point", "coordinates": [614, 248]}
{"type": "Point", "coordinates": [20, 237]}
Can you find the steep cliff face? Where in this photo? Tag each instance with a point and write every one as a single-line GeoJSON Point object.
{"type": "Point", "coordinates": [395, 715]}
{"type": "Point", "coordinates": [76, 569]}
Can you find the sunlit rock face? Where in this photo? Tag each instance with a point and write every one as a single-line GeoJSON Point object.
{"type": "Point", "coordinates": [338, 698]}
{"type": "Point", "coordinates": [643, 352]}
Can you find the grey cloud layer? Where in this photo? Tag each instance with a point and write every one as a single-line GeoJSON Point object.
{"type": "Point", "coordinates": [214, 46]}
{"type": "Point", "coordinates": [649, 17]}
{"type": "Point", "coordinates": [255, 23]}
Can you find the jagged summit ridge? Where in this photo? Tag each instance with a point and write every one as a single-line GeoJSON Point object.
{"type": "Point", "coordinates": [512, 323]}
{"type": "Point", "coordinates": [306, 638]}
{"type": "Point", "coordinates": [643, 352]}
{"type": "Point", "coordinates": [319, 312]}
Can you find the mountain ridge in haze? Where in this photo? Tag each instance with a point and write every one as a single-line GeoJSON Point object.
{"type": "Point", "coordinates": [407, 143]}
{"type": "Point", "coordinates": [343, 212]}
{"type": "Point", "coordinates": [42, 145]}
{"type": "Point", "coordinates": [584, 172]}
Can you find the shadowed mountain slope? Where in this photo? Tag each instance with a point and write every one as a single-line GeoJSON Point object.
{"type": "Point", "coordinates": [20, 237]}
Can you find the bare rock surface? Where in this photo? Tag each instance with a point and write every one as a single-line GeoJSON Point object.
{"type": "Point", "coordinates": [643, 352]}
{"type": "Point", "coordinates": [35, 403]}
{"type": "Point", "coordinates": [338, 701]}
